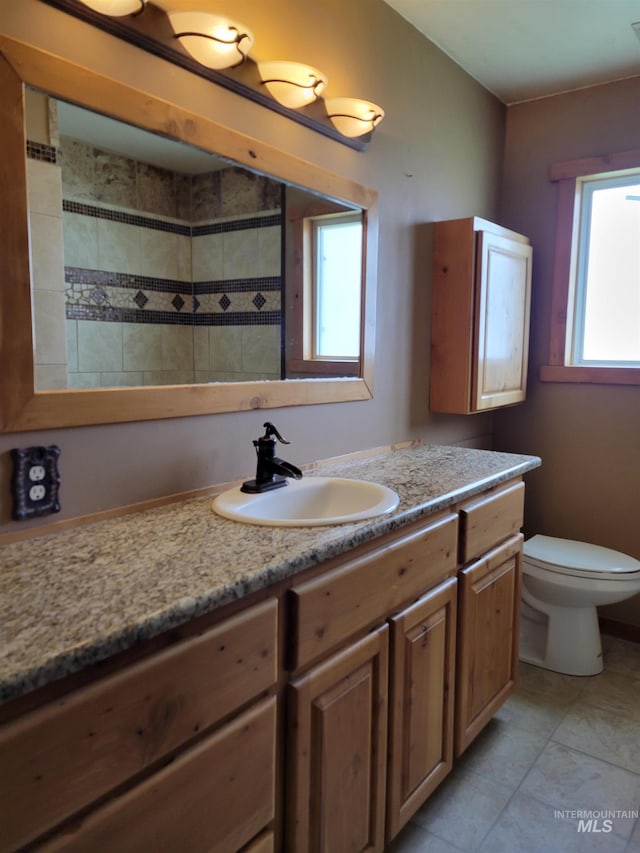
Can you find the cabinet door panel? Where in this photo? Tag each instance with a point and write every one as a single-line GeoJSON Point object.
{"type": "Point", "coordinates": [212, 799]}
{"type": "Point", "coordinates": [421, 704]}
{"type": "Point", "coordinates": [338, 751]}
{"type": "Point", "coordinates": [488, 628]}
{"type": "Point", "coordinates": [502, 321]}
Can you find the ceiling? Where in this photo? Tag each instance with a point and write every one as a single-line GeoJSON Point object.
{"type": "Point", "coordinates": [524, 49]}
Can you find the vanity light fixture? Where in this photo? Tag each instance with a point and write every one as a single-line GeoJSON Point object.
{"type": "Point", "coordinates": [116, 8]}
{"type": "Point", "coordinates": [211, 40]}
{"type": "Point", "coordinates": [353, 117]}
{"type": "Point", "coordinates": [214, 47]}
{"type": "Point", "coordinates": [292, 84]}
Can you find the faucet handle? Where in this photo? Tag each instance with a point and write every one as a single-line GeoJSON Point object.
{"type": "Point", "coordinates": [271, 430]}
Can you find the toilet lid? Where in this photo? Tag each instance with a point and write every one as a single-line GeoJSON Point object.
{"type": "Point", "coordinates": [579, 558]}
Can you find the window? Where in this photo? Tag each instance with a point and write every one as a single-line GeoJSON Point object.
{"type": "Point", "coordinates": [595, 327]}
{"type": "Point", "coordinates": [336, 284]}
{"type": "Point", "coordinates": [326, 282]}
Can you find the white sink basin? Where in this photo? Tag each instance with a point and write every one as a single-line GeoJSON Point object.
{"type": "Point", "coordinates": [310, 502]}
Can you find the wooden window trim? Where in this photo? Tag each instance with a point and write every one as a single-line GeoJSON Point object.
{"type": "Point", "coordinates": [566, 175]}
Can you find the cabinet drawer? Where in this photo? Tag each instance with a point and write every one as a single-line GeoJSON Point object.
{"type": "Point", "coordinates": [489, 520]}
{"type": "Point", "coordinates": [331, 608]}
{"type": "Point", "coordinates": [214, 797]}
{"type": "Point", "coordinates": [65, 755]}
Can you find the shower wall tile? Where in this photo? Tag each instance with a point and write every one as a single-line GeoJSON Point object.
{"type": "Point", "coordinates": [270, 250]}
{"type": "Point", "coordinates": [49, 327]}
{"type": "Point", "coordinates": [207, 255]}
{"type": "Point", "coordinates": [158, 252]}
{"type": "Point", "coordinates": [77, 161]}
{"type": "Point", "coordinates": [115, 179]}
{"type": "Point", "coordinates": [177, 348]}
{"type": "Point", "coordinates": [200, 348]}
{"type": "Point", "coordinates": [126, 379]}
{"type": "Point", "coordinates": [71, 327]}
{"type": "Point", "coordinates": [156, 190]}
{"type": "Point", "coordinates": [99, 346]}
{"type": "Point", "coordinates": [80, 240]}
{"type": "Point", "coordinates": [50, 377]}
{"type": "Point", "coordinates": [184, 258]}
{"type": "Point", "coordinates": [46, 243]}
{"type": "Point", "coordinates": [83, 381]}
{"type": "Point", "coordinates": [168, 377]}
{"type": "Point", "coordinates": [225, 347]}
{"type": "Point", "coordinates": [205, 197]}
{"type": "Point", "coordinates": [119, 247]}
{"type": "Point", "coordinates": [183, 187]}
{"type": "Point", "coordinates": [261, 349]}
{"type": "Point", "coordinates": [44, 187]}
{"type": "Point", "coordinates": [142, 346]}
{"type": "Point", "coordinates": [240, 254]}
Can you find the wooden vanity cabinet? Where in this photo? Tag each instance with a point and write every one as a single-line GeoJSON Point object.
{"type": "Point", "coordinates": [481, 296]}
{"type": "Point", "coordinates": [489, 589]}
{"type": "Point", "coordinates": [180, 744]}
{"type": "Point", "coordinates": [345, 790]}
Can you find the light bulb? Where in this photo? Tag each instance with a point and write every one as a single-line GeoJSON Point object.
{"type": "Point", "coordinates": [353, 117]}
{"type": "Point", "coordinates": [292, 84]}
{"type": "Point", "coordinates": [211, 40]}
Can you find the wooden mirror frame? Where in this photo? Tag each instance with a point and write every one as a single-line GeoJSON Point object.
{"type": "Point", "coordinates": [24, 408]}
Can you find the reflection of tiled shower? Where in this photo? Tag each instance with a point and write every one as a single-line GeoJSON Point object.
{"type": "Point", "coordinates": [169, 278]}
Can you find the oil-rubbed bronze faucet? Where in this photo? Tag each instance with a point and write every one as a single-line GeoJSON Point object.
{"type": "Point", "coordinates": [271, 472]}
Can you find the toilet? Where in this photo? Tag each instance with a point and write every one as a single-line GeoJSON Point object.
{"type": "Point", "coordinates": [563, 582]}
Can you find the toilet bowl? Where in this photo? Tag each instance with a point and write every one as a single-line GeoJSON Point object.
{"type": "Point", "coordinates": [563, 582]}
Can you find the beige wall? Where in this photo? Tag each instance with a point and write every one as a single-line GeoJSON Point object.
{"type": "Point", "coordinates": [587, 435]}
{"type": "Point", "coordinates": [437, 155]}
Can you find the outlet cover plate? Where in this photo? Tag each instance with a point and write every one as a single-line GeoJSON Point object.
{"type": "Point", "coordinates": [35, 481]}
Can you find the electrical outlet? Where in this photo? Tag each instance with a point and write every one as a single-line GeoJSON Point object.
{"type": "Point", "coordinates": [35, 481]}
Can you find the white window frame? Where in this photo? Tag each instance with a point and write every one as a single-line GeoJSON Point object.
{"type": "Point", "coordinates": [311, 346]}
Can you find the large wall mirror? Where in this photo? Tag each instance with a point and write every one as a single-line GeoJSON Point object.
{"type": "Point", "coordinates": [161, 265]}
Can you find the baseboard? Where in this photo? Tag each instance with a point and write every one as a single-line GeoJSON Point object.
{"type": "Point", "coordinates": [624, 630]}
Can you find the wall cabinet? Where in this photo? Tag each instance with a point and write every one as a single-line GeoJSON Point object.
{"type": "Point", "coordinates": [394, 657]}
{"type": "Point", "coordinates": [481, 296]}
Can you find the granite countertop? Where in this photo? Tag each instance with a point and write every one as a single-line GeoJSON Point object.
{"type": "Point", "coordinates": [73, 598]}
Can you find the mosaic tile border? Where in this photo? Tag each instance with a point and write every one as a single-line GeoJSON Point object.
{"type": "Point", "coordinates": [237, 285]}
{"type": "Point", "coordinates": [237, 225]}
{"type": "Point", "coordinates": [172, 318]}
{"type": "Point", "coordinates": [40, 151]}
{"type": "Point", "coordinates": [124, 298]}
{"type": "Point", "coordinates": [87, 276]}
{"type": "Point", "coordinates": [96, 212]}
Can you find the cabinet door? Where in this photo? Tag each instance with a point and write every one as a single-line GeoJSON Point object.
{"type": "Point", "coordinates": [502, 321]}
{"type": "Point", "coordinates": [488, 634]}
{"type": "Point", "coordinates": [337, 755]}
{"type": "Point", "coordinates": [421, 702]}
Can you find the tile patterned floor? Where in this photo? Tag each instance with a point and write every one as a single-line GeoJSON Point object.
{"type": "Point", "coordinates": [559, 743]}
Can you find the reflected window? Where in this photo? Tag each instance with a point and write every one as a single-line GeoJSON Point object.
{"type": "Point", "coordinates": [336, 242]}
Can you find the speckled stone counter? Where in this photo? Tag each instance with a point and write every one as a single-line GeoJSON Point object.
{"type": "Point", "coordinates": [74, 598]}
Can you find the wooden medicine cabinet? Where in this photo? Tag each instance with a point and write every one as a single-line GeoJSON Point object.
{"type": "Point", "coordinates": [480, 316]}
